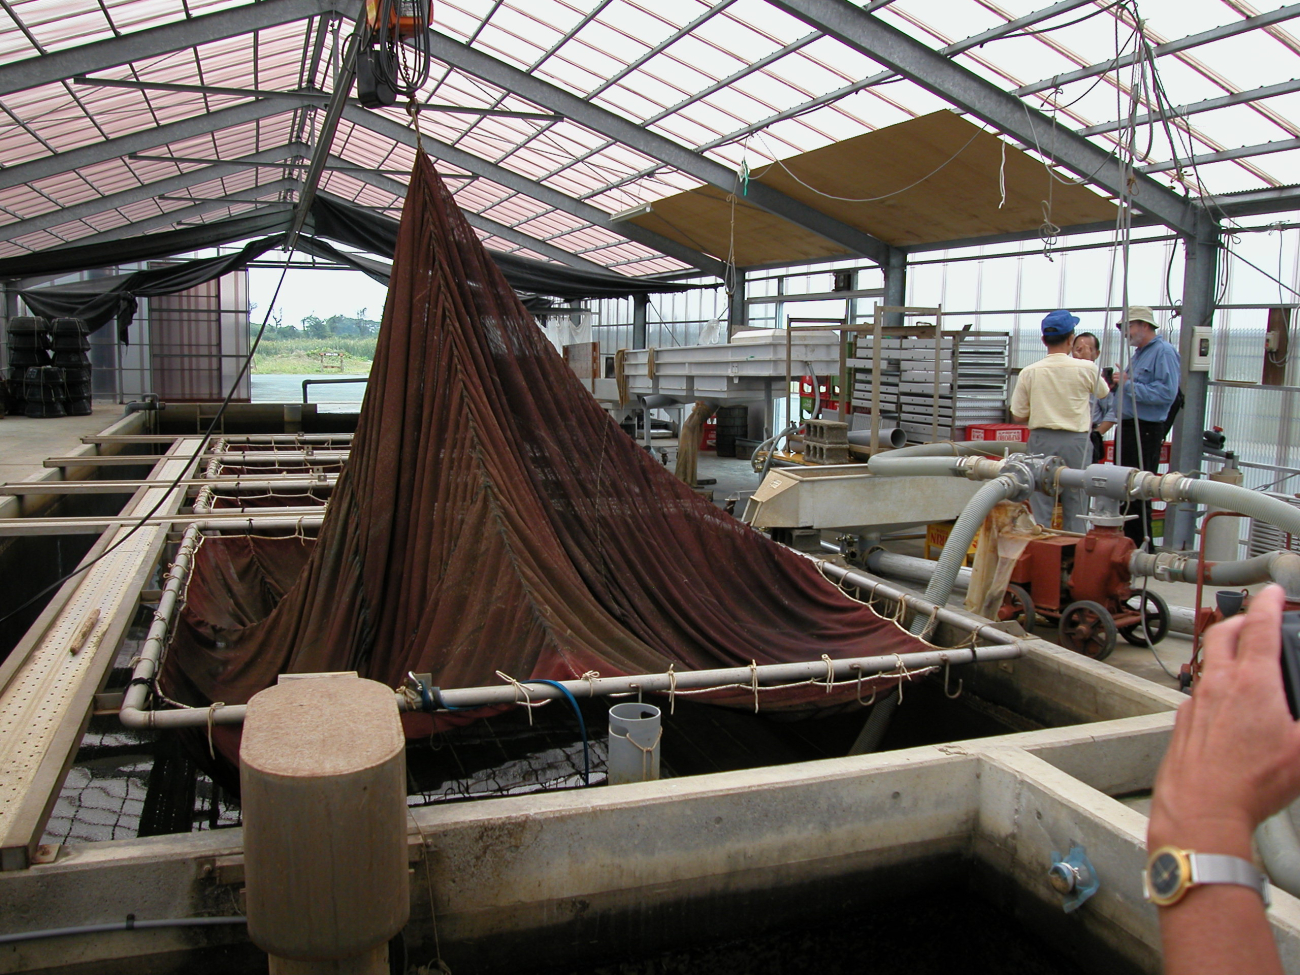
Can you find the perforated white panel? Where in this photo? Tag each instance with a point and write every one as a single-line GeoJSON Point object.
{"type": "Point", "coordinates": [37, 699]}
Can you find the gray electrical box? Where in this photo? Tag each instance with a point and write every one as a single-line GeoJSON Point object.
{"type": "Point", "coordinates": [1201, 346]}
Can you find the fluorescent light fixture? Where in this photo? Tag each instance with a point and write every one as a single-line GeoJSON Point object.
{"type": "Point", "coordinates": [637, 211]}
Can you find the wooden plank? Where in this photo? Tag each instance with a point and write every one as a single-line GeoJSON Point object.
{"type": "Point", "coordinates": [48, 693]}
{"type": "Point", "coordinates": [929, 179]}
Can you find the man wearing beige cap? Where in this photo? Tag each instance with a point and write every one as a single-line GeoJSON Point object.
{"type": "Point", "coordinates": [1144, 394]}
{"type": "Point", "coordinates": [1052, 397]}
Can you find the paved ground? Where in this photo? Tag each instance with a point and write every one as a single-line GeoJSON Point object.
{"type": "Point", "coordinates": [25, 443]}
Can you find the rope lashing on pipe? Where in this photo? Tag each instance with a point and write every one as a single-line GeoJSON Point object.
{"type": "Point", "coordinates": [646, 750]}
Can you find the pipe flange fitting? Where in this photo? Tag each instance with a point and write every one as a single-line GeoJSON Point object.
{"type": "Point", "coordinates": [1020, 475]}
{"type": "Point", "coordinates": [1048, 469]}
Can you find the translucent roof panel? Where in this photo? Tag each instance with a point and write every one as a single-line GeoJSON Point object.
{"type": "Point", "coordinates": [711, 88]}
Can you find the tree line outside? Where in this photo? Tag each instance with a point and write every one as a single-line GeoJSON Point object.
{"type": "Point", "coordinates": [337, 344]}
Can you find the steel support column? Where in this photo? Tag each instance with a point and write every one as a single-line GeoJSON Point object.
{"type": "Point", "coordinates": [639, 305]}
{"type": "Point", "coordinates": [737, 310]}
{"type": "Point", "coordinates": [1200, 278]}
{"type": "Point", "coordinates": [895, 285]}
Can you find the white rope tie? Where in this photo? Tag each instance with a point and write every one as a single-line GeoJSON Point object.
{"type": "Point", "coordinates": [672, 690]}
{"type": "Point", "coordinates": [590, 677]}
{"type": "Point", "coordinates": [212, 717]}
{"type": "Point", "coordinates": [753, 681]}
{"type": "Point", "coordinates": [830, 672]}
{"type": "Point", "coordinates": [527, 701]}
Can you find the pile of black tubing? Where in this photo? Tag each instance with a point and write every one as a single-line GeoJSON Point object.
{"type": "Point", "coordinates": [49, 367]}
{"type": "Point", "coordinates": [72, 355]}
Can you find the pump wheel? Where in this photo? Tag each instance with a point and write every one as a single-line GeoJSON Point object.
{"type": "Point", "coordinates": [1089, 629]}
{"type": "Point", "coordinates": [1155, 613]}
{"type": "Point", "coordinates": [1017, 605]}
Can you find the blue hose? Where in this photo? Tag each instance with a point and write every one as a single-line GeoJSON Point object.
{"type": "Point", "coordinates": [582, 725]}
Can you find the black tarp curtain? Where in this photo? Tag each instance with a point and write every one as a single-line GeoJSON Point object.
{"type": "Point", "coordinates": [99, 301]}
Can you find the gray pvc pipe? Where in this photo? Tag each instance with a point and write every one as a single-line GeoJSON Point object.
{"type": "Point", "coordinates": [126, 925]}
{"type": "Point", "coordinates": [910, 568]}
{"type": "Point", "coordinates": [895, 437]}
{"type": "Point", "coordinates": [1280, 567]}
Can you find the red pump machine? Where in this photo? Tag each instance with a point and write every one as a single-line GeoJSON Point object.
{"type": "Point", "coordinates": [1083, 583]}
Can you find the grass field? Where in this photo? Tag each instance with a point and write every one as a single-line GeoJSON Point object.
{"type": "Point", "coordinates": [302, 357]}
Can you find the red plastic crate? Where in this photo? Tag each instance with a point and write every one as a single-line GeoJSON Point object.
{"type": "Point", "coordinates": [998, 431]}
{"type": "Point", "coordinates": [1130, 461]}
{"type": "Point", "coordinates": [709, 434]}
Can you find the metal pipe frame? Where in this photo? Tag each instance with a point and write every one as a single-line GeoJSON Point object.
{"type": "Point", "coordinates": [225, 484]}
{"type": "Point", "coordinates": [132, 713]}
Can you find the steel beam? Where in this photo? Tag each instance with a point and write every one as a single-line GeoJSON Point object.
{"type": "Point", "coordinates": [156, 41]}
{"type": "Point", "coordinates": [1195, 108]}
{"type": "Point", "coordinates": [830, 97]}
{"type": "Point", "coordinates": [1251, 202]}
{"type": "Point", "coordinates": [319, 98]}
{"type": "Point", "coordinates": [382, 125]}
{"type": "Point", "coordinates": [1224, 155]}
{"type": "Point", "coordinates": [976, 96]}
{"type": "Point", "coordinates": [488, 226]}
{"type": "Point", "coordinates": [343, 79]}
{"type": "Point", "coordinates": [1169, 47]}
{"type": "Point", "coordinates": [629, 133]}
{"type": "Point", "coordinates": [64, 162]}
{"type": "Point", "coordinates": [90, 208]}
{"type": "Point", "coordinates": [172, 217]}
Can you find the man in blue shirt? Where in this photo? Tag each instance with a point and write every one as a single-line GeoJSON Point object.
{"type": "Point", "coordinates": [1144, 394]}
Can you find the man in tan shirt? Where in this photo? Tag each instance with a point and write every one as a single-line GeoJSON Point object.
{"type": "Point", "coordinates": [1052, 398]}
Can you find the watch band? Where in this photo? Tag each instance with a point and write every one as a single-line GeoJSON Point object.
{"type": "Point", "coordinates": [1171, 872]}
{"type": "Point", "coordinates": [1217, 868]}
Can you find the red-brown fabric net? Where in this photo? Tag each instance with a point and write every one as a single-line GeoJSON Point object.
{"type": "Point", "coordinates": [493, 517]}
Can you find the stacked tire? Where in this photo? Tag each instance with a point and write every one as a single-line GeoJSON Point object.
{"type": "Point", "coordinates": [72, 355]}
{"type": "Point", "coordinates": [30, 345]}
{"type": "Point", "coordinates": [733, 425]}
{"type": "Point", "coordinates": [45, 392]}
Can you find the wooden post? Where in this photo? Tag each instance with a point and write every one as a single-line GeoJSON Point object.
{"type": "Point", "coordinates": [322, 772]}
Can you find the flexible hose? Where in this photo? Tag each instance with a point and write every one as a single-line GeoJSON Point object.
{"type": "Point", "coordinates": [959, 542]}
{"type": "Point", "coordinates": [937, 458]}
{"type": "Point", "coordinates": [769, 446]}
{"type": "Point", "coordinates": [1280, 849]}
{"type": "Point", "coordinates": [1233, 498]}
{"type": "Point", "coordinates": [938, 591]}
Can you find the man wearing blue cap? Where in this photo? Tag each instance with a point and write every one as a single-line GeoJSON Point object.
{"type": "Point", "coordinates": [1053, 398]}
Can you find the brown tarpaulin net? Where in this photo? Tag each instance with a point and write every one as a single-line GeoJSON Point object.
{"type": "Point", "coordinates": [493, 517]}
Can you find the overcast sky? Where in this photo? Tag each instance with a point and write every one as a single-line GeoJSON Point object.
{"type": "Point", "coordinates": [320, 293]}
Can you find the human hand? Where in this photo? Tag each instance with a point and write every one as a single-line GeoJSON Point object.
{"type": "Point", "coordinates": [1234, 757]}
{"type": "Point", "coordinates": [1120, 375]}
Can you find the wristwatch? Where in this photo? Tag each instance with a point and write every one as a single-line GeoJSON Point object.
{"type": "Point", "coordinates": [1170, 872]}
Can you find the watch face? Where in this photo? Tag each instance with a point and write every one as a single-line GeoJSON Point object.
{"type": "Point", "coordinates": [1165, 874]}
